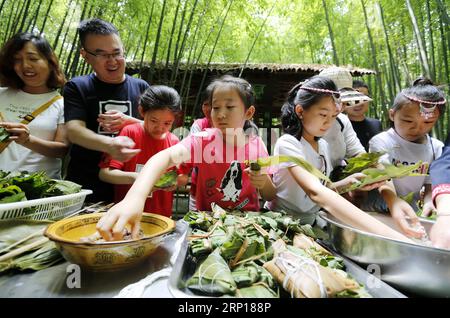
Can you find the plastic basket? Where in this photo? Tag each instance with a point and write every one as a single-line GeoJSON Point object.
{"type": "Point", "coordinates": [53, 208]}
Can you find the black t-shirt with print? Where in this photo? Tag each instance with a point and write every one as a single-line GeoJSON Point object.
{"type": "Point", "coordinates": [366, 129]}
{"type": "Point", "coordinates": [85, 97]}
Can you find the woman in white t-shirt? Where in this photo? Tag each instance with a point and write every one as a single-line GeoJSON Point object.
{"type": "Point", "coordinates": [30, 76]}
{"type": "Point", "coordinates": [309, 112]}
{"type": "Point", "coordinates": [414, 113]}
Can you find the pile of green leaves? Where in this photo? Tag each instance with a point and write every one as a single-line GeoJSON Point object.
{"type": "Point", "coordinates": [24, 186]}
{"type": "Point", "coordinates": [230, 247]}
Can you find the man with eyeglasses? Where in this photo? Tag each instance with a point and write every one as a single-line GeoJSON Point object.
{"type": "Point", "coordinates": [98, 105]}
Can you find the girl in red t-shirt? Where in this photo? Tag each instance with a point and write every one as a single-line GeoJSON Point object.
{"type": "Point", "coordinates": [159, 106]}
{"type": "Point", "coordinates": [219, 153]}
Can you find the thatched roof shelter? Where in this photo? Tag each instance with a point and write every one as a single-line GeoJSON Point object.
{"type": "Point", "coordinates": [270, 81]}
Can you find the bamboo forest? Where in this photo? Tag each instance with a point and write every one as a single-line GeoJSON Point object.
{"type": "Point", "coordinates": [398, 40]}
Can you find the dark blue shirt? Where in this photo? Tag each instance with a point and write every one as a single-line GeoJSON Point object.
{"type": "Point", "coordinates": [366, 129]}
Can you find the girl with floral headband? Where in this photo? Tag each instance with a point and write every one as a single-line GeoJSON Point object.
{"type": "Point", "coordinates": [414, 113]}
{"type": "Point", "coordinates": [309, 112]}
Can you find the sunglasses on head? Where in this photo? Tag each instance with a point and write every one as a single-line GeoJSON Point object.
{"type": "Point", "coordinates": [336, 95]}
{"type": "Point", "coordinates": [427, 108]}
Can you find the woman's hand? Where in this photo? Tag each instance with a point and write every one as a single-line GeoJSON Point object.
{"type": "Point", "coordinates": [20, 133]}
{"type": "Point", "coordinates": [112, 224]}
{"type": "Point", "coordinates": [402, 212]}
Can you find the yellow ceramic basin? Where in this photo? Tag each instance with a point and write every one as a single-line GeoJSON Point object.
{"type": "Point", "coordinates": [104, 256]}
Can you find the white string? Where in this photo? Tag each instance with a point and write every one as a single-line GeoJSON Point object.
{"type": "Point", "coordinates": [200, 277]}
{"type": "Point", "coordinates": [292, 268]}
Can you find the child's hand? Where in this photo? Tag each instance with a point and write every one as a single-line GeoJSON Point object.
{"type": "Point", "coordinates": [113, 120]}
{"type": "Point", "coordinates": [112, 224]}
{"type": "Point", "coordinates": [402, 212]}
{"type": "Point", "coordinates": [440, 232]}
{"type": "Point", "coordinates": [257, 179]}
{"type": "Point", "coordinates": [356, 178]}
{"type": "Point", "coordinates": [346, 182]}
{"type": "Point", "coordinates": [428, 208]}
{"type": "Point", "coordinates": [121, 148]}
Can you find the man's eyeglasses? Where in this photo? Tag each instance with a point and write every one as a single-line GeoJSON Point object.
{"type": "Point", "coordinates": [336, 95]}
{"type": "Point", "coordinates": [106, 56]}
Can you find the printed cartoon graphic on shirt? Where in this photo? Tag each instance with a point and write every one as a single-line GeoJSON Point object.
{"type": "Point", "coordinates": [123, 106]}
{"type": "Point", "coordinates": [231, 185]}
{"type": "Point", "coordinates": [422, 169]}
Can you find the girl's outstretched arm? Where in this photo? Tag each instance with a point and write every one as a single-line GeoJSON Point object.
{"type": "Point", "coordinates": [129, 210]}
{"type": "Point", "coordinates": [340, 207]}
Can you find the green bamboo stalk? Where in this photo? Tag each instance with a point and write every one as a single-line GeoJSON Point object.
{"type": "Point", "coordinates": [419, 40]}
{"type": "Point", "coordinates": [430, 29]}
{"type": "Point", "coordinates": [330, 32]}
{"type": "Point", "coordinates": [177, 43]}
{"type": "Point", "coordinates": [256, 38]}
{"type": "Point", "coordinates": [147, 34]}
{"type": "Point", "coordinates": [392, 63]}
{"type": "Point", "coordinates": [46, 16]}
{"type": "Point", "coordinates": [5, 34]}
{"type": "Point", "coordinates": [75, 45]}
{"type": "Point", "coordinates": [15, 21]}
{"type": "Point", "coordinates": [63, 22]}
{"type": "Point", "coordinates": [183, 42]}
{"type": "Point", "coordinates": [158, 37]}
{"type": "Point", "coordinates": [32, 22]}
{"type": "Point", "coordinates": [205, 72]}
{"type": "Point", "coordinates": [189, 66]}
{"type": "Point", "coordinates": [169, 48]}
{"type": "Point", "coordinates": [24, 15]}
{"type": "Point", "coordinates": [374, 57]}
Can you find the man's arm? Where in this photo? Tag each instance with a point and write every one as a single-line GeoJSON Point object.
{"type": "Point", "coordinates": [120, 148]}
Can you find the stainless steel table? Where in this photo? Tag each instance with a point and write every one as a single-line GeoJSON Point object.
{"type": "Point", "coordinates": [52, 282]}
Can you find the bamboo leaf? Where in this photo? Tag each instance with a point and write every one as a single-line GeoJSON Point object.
{"type": "Point", "coordinates": [276, 160]}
